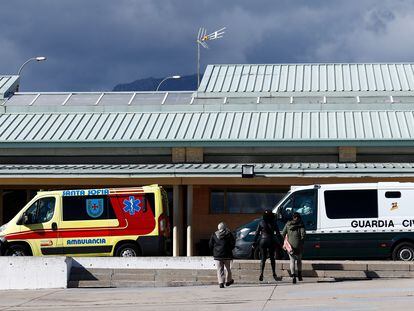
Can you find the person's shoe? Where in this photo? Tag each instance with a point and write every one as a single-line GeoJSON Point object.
{"type": "Point", "coordinates": [221, 285]}
{"type": "Point", "coordinates": [275, 277]}
{"type": "Point", "coordinates": [294, 279]}
{"type": "Point", "coordinates": [229, 283]}
{"type": "Point", "coordinates": [261, 277]}
{"type": "Point", "coordinates": [300, 276]}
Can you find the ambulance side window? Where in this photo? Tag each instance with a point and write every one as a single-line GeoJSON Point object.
{"type": "Point", "coordinates": [87, 208]}
{"type": "Point", "coordinates": [40, 211]}
{"type": "Point", "coordinates": [150, 202]}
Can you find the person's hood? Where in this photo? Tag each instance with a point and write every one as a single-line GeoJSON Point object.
{"type": "Point", "coordinates": [220, 234]}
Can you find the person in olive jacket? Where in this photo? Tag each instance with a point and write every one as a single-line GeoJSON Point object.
{"type": "Point", "coordinates": [295, 232]}
{"type": "Point", "coordinates": [267, 238]}
{"type": "Point", "coordinates": [222, 243]}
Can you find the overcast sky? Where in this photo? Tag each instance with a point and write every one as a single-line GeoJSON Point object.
{"type": "Point", "coordinates": [93, 45]}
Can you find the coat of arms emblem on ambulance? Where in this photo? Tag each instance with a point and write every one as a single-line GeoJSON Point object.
{"type": "Point", "coordinates": [94, 207]}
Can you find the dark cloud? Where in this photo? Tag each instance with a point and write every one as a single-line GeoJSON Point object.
{"type": "Point", "coordinates": [96, 44]}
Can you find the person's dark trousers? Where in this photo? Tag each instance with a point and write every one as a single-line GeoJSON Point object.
{"type": "Point", "coordinates": [267, 247]}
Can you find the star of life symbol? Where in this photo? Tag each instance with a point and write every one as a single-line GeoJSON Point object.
{"type": "Point", "coordinates": [131, 206]}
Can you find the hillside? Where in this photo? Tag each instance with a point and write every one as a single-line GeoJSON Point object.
{"type": "Point", "coordinates": [185, 83]}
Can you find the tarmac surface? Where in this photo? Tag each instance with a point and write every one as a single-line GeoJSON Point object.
{"type": "Point", "coordinates": [380, 294]}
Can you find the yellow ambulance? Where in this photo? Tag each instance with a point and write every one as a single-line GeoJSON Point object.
{"type": "Point", "coordinates": [124, 222]}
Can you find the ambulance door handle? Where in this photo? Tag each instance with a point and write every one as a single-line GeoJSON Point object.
{"type": "Point", "coordinates": [54, 226]}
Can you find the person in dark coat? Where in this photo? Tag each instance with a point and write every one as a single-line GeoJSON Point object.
{"type": "Point", "coordinates": [222, 243]}
{"type": "Point", "coordinates": [267, 238]}
{"type": "Point", "coordinates": [295, 232]}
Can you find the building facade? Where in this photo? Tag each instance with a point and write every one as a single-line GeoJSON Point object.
{"type": "Point", "coordinates": [296, 124]}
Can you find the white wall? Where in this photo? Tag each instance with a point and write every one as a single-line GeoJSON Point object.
{"type": "Point", "coordinates": [34, 272]}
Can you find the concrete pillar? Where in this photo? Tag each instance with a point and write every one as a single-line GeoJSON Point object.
{"type": "Point", "coordinates": [177, 220]}
{"type": "Point", "coordinates": [178, 154]}
{"type": "Point", "coordinates": [194, 154]}
{"type": "Point", "coordinates": [1, 207]}
{"type": "Point", "coordinates": [189, 220]}
{"type": "Point", "coordinates": [347, 154]}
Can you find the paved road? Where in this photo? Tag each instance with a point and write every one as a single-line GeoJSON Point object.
{"type": "Point", "coordinates": [355, 295]}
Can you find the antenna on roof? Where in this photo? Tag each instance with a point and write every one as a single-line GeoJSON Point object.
{"type": "Point", "coordinates": [202, 38]}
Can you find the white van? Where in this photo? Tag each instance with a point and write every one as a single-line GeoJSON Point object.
{"type": "Point", "coordinates": [374, 220]}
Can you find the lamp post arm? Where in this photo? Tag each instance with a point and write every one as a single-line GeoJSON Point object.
{"type": "Point", "coordinates": [21, 67]}
{"type": "Point", "coordinates": [162, 81]}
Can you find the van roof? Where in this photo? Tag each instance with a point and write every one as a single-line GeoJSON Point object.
{"type": "Point", "coordinates": [97, 191]}
{"type": "Point", "coordinates": [380, 185]}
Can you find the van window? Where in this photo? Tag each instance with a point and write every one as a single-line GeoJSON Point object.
{"type": "Point", "coordinates": [149, 202]}
{"type": "Point", "coordinates": [344, 204]}
{"type": "Point", "coordinates": [393, 194]}
{"type": "Point", "coordinates": [304, 203]}
{"type": "Point", "coordinates": [87, 208]}
{"type": "Point", "coordinates": [41, 211]}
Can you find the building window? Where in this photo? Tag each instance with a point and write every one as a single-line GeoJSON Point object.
{"type": "Point", "coordinates": [87, 208]}
{"type": "Point", "coordinates": [229, 201]}
{"type": "Point", "coordinates": [345, 204]}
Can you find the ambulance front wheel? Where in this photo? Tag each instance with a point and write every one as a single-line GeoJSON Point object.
{"type": "Point", "coordinates": [128, 250]}
{"type": "Point", "coordinates": [404, 252]}
{"type": "Point", "coordinates": [17, 250]}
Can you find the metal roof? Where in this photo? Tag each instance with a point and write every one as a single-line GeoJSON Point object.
{"type": "Point", "coordinates": [308, 78]}
{"type": "Point", "coordinates": [30, 102]}
{"type": "Point", "coordinates": [209, 170]}
{"type": "Point", "coordinates": [91, 99]}
{"type": "Point", "coordinates": [155, 129]}
{"type": "Point", "coordinates": [8, 85]}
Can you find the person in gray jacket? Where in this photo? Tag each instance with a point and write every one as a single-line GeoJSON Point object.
{"type": "Point", "coordinates": [295, 232]}
{"type": "Point", "coordinates": [222, 243]}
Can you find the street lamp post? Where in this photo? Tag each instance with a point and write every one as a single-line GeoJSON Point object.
{"type": "Point", "coordinates": [38, 59]}
{"type": "Point", "coordinates": [162, 81]}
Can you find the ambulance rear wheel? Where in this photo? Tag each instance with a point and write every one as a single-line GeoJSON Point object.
{"type": "Point", "coordinates": [128, 250]}
{"type": "Point", "coordinates": [404, 252]}
{"type": "Point", "coordinates": [17, 250]}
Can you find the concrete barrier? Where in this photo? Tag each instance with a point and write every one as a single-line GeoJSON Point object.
{"type": "Point", "coordinates": [181, 271]}
{"type": "Point", "coordinates": [34, 272]}
{"type": "Point", "coordinates": [197, 263]}
{"type": "Point", "coordinates": [61, 272]}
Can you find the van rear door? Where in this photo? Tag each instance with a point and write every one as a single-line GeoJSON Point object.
{"type": "Point", "coordinates": [138, 211]}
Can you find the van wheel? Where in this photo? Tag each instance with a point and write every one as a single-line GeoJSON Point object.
{"type": "Point", "coordinates": [127, 250]}
{"type": "Point", "coordinates": [404, 252]}
{"type": "Point", "coordinates": [17, 250]}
